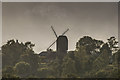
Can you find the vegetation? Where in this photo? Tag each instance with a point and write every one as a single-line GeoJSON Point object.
{"type": "Point", "coordinates": [91, 59]}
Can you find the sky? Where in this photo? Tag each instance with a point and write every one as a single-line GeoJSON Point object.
{"type": "Point", "coordinates": [32, 21]}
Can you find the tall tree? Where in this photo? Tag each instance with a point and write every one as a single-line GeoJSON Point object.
{"type": "Point", "coordinates": [103, 59]}
{"type": "Point", "coordinates": [23, 69]}
{"type": "Point", "coordinates": [113, 44]}
{"type": "Point", "coordinates": [92, 45]}
{"type": "Point", "coordinates": [68, 67]}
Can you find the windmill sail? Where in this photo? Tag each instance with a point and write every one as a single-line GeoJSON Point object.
{"type": "Point", "coordinates": [51, 44]}
{"type": "Point", "coordinates": [54, 31]}
{"type": "Point", "coordinates": [65, 32]}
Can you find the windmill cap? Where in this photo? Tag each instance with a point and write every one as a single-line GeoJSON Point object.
{"type": "Point", "coordinates": [62, 36]}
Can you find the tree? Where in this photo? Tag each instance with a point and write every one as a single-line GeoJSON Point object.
{"type": "Point", "coordinates": [23, 69]}
{"type": "Point", "coordinates": [9, 72]}
{"type": "Point", "coordinates": [55, 67]}
{"type": "Point", "coordinates": [90, 59]}
{"type": "Point", "coordinates": [68, 67]}
{"type": "Point", "coordinates": [113, 44]}
{"type": "Point", "coordinates": [29, 45]}
{"type": "Point", "coordinates": [32, 59]}
{"type": "Point", "coordinates": [11, 52]}
{"type": "Point", "coordinates": [103, 59]}
{"type": "Point", "coordinates": [92, 45]}
{"type": "Point", "coordinates": [82, 60]}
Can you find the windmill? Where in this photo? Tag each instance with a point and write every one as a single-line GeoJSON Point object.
{"type": "Point", "coordinates": [61, 42]}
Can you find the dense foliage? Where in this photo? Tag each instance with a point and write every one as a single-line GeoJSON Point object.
{"type": "Point", "coordinates": [91, 59]}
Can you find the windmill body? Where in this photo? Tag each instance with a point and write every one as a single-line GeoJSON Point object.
{"type": "Point", "coordinates": [61, 46]}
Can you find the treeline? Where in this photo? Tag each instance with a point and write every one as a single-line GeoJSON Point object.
{"type": "Point", "coordinates": [91, 59]}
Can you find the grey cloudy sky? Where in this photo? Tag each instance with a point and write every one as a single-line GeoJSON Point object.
{"type": "Point", "coordinates": [31, 21]}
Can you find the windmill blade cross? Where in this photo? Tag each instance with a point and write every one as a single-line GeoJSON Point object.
{"type": "Point", "coordinates": [54, 31]}
{"type": "Point", "coordinates": [56, 36]}
{"type": "Point", "coordinates": [65, 32]}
